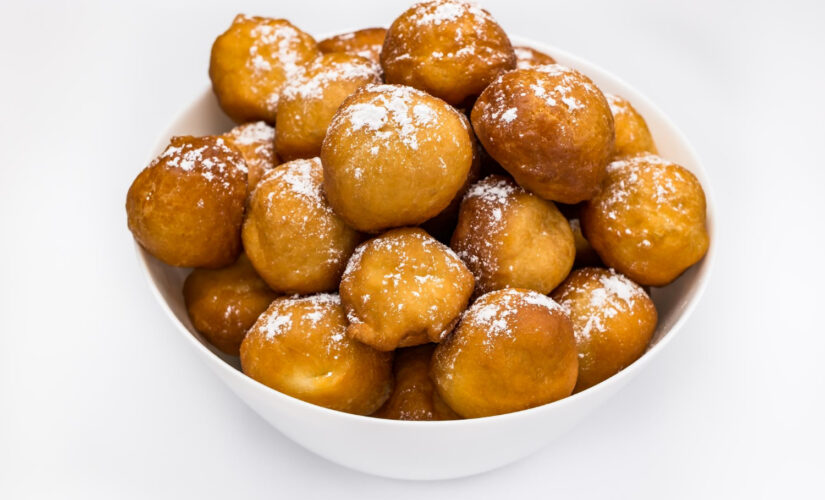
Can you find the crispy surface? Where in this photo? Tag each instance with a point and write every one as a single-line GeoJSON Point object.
{"type": "Point", "coordinates": [224, 303]}
{"type": "Point", "coordinates": [648, 221]}
{"type": "Point", "coordinates": [613, 321]}
{"type": "Point", "coordinates": [449, 49]}
{"type": "Point", "coordinates": [404, 288]}
{"type": "Point", "coordinates": [511, 238]}
{"type": "Point", "coordinates": [256, 143]}
{"type": "Point", "coordinates": [394, 156]}
{"type": "Point", "coordinates": [186, 207]}
{"type": "Point", "coordinates": [550, 127]}
{"type": "Point", "coordinates": [366, 43]}
{"type": "Point", "coordinates": [632, 134]}
{"type": "Point", "coordinates": [309, 102]}
{"type": "Point", "coordinates": [252, 60]}
{"type": "Point", "coordinates": [513, 349]}
{"type": "Point", "coordinates": [527, 57]}
{"type": "Point", "coordinates": [414, 396]}
{"type": "Point", "coordinates": [298, 347]}
{"type": "Point", "coordinates": [293, 238]}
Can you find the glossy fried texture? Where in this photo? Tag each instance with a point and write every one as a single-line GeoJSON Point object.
{"type": "Point", "coordinates": [527, 57]}
{"type": "Point", "coordinates": [414, 396]}
{"type": "Point", "coordinates": [186, 207]}
{"type": "Point", "coordinates": [509, 237]}
{"type": "Point", "coordinates": [309, 102]}
{"type": "Point", "coordinates": [447, 48]}
{"type": "Point", "coordinates": [648, 221]}
{"type": "Point", "coordinates": [513, 349]}
{"type": "Point", "coordinates": [298, 347]}
{"type": "Point", "coordinates": [366, 43]}
{"type": "Point", "coordinates": [632, 134]}
{"type": "Point", "coordinates": [550, 127]}
{"type": "Point", "coordinates": [224, 303]}
{"type": "Point", "coordinates": [404, 288]}
{"type": "Point", "coordinates": [613, 320]}
{"type": "Point", "coordinates": [255, 142]}
{"type": "Point", "coordinates": [252, 60]}
{"type": "Point", "coordinates": [394, 156]}
{"type": "Point", "coordinates": [293, 238]}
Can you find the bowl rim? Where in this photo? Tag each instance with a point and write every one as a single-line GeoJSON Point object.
{"type": "Point", "coordinates": [614, 381]}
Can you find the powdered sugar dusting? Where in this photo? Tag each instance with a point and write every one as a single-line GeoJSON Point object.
{"type": "Point", "coordinates": [491, 198]}
{"type": "Point", "coordinates": [592, 295]}
{"type": "Point", "coordinates": [392, 111]}
{"type": "Point", "coordinates": [324, 72]}
{"type": "Point", "coordinates": [406, 272]}
{"type": "Point", "coordinates": [209, 156]}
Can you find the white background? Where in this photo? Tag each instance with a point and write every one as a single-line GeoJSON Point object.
{"type": "Point", "coordinates": [101, 398]}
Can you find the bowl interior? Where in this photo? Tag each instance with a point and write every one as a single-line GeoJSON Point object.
{"type": "Point", "coordinates": [674, 302]}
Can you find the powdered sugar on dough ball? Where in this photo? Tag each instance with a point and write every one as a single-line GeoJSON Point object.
{"type": "Point", "coordinates": [613, 321]}
{"type": "Point", "coordinates": [404, 288]}
{"type": "Point", "coordinates": [448, 48]}
{"type": "Point", "coordinates": [255, 141]}
{"type": "Point", "coordinates": [292, 236]}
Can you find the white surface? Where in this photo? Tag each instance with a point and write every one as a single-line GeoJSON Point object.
{"type": "Point", "coordinates": [99, 398]}
{"type": "Point", "coordinates": [403, 450]}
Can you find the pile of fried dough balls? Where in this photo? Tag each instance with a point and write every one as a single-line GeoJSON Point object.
{"type": "Point", "coordinates": [418, 223]}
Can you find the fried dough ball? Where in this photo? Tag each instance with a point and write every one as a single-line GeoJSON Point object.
{"type": "Point", "coordinates": [404, 288]}
{"type": "Point", "coordinates": [513, 349]}
{"type": "Point", "coordinates": [648, 221]}
{"type": "Point", "coordinates": [447, 48]}
{"type": "Point", "coordinates": [293, 238]}
{"type": "Point", "coordinates": [585, 255]}
{"type": "Point", "coordinates": [366, 43]}
{"type": "Point", "coordinates": [187, 206]}
{"type": "Point", "coordinates": [298, 347]}
{"type": "Point", "coordinates": [527, 57]}
{"type": "Point", "coordinates": [509, 237]}
{"type": "Point", "coordinates": [309, 102]}
{"type": "Point", "coordinates": [550, 127]}
{"type": "Point", "coordinates": [632, 134]}
{"type": "Point", "coordinates": [414, 396]}
{"type": "Point", "coordinates": [224, 303]}
{"type": "Point", "coordinates": [255, 141]}
{"type": "Point", "coordinates": [394, 156]}
{"type": "Point", "coordinates": [613, 321]}
{"type": "Point", "coordinates": [252, 60]}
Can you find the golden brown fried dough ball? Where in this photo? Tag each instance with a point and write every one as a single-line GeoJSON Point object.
{"type": "Point", "coordinates": [613, 320]}
{"type": "Point", "coordinates": [366, 43]}
{"type": "Point", "coordinates": [186, 207]}
{"type": "Point", "coordinates": [449, 49]}
{"type": "Point", "coordinates": [527, 57]}
{"type": "Point", "coordinates": [404, 288]}
{"type": "Point", "coordinates": [513, 349]}
{"type": "Point", "coordinates": [394, 156]}
{"type": "Point", "coordinates": [293, 238]}
{"type": "Point", "coordinates": [550, 127]}
{"type": "Point", "coordinates": [648, 221]}
{"type": "Point", "coordinates": [509, 237]}
{"type": "Point", "coordinates": [224, 303]}
{"type": "Point", "coordinates": [309, 102]}
{"type": "Point", "coordinates": [256, 143]}
{"type": "Point", "coordinates": [251, 62]}
{"type": "Point", "coordinates": [632, 134]}
{"type": "Point", "coordinates": [414, 396]}
{"type": "Point", "coordinates": [298, 347]}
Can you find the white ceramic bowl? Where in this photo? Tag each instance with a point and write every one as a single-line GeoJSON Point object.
{"type": "Point", "coordinates": [436, 450]}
